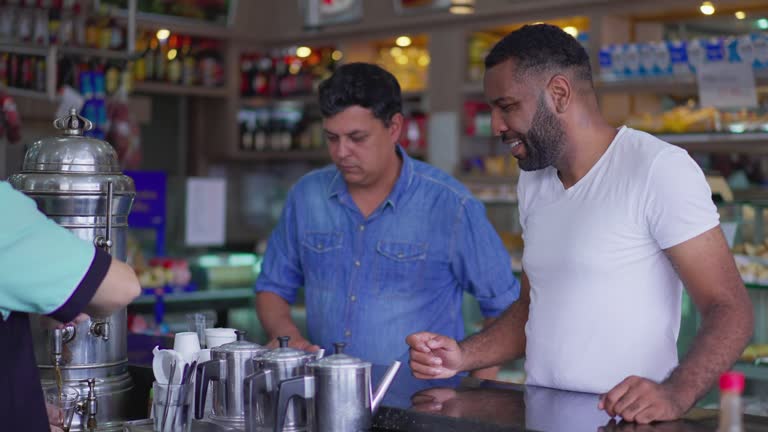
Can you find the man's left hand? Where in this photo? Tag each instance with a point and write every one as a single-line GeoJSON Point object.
{"type": "Point", "coordinates": [643, 401]}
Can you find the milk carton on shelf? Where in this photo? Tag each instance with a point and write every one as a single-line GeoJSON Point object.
{"type": "Point", "coordinates": [697, 54]}
{"type": "Point", "coordinates": [760, 50]}
{"type": "Point", "coordinates": [662, 64]}
{"type": "Point", "coordinates": [617, 61]}
{"type": "Point", "coordinates": [739, 50]}
{"type": "Point", "coordinates": [678, 58]}
{"type": "Point", "coordinates": [606, 63]}
{"type": "Point", "coordinates": [647, 57]}
{"type": "Point", "coordinates": [631, 61]}
{"type": "Point", "coordinates": [715, 50]}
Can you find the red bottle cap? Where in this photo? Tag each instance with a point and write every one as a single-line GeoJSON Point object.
{"type": "Point", "coordinates": [732, 382]}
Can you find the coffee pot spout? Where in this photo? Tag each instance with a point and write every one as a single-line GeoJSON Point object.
{"type": "Point", "coordinates": [386, 381]}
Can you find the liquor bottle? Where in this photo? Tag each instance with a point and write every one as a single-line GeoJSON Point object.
{"type": "Point", "coordinates": [140, 64]}
{"type": "Point", "coordinates": [149, 59]}
{"type": "Point", "coordinates": [174, 60]}
{"type": "Point", "coordinates": [189, 63]}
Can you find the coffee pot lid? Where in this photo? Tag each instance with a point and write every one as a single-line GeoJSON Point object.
{"type": "Point", "coordinates": [283, 353]}
{"type": "Point", "coordinates": [339, 360]}
{"type": "Point", "coordinates": [239, 346]}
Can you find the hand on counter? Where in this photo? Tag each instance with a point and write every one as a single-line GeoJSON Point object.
{"type": "Point", "coordinates": [434, 356]}
{"type": "Point", "coordinates": [297, 342]}
{"type": "Point", "coordinates": [622, 426]}
{"type": "Point", "coordinates": [642, 401]}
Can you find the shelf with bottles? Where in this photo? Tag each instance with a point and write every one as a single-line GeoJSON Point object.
{"type": "Point", "coordinates": [670, 66]}
{"type": "Point", "coordinates": [169, 63]}
{"type": "Point", "coordinates": [66, 24]}
{"type": "Point", "coordinates": [291, 73]}
{"type": "Point", "coordinates": [192, 17]}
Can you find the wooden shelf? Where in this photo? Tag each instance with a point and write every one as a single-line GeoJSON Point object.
{"type": "Point", "coordinates": [31, 94]}
{"type": "Point", "coordinates": [161, 88]}
{"type": "Point", "coordinates": [320, 155]}
{"type": "Point", "coordinates": [24, 48]}
{"type": "Point", "coordinates": [748, 143]}
{"type": "Point", "coordinates": [184, 26]}
{"type": "Point", "coordinates": [680, 85]}
{"type": "Point", "coordinates": [97, 53]}
{"type": "Point", "coordinates": [676, 85]}
{"type": "Point", "coordinates": [264, 101]}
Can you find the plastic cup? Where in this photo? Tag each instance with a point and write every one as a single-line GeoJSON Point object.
{"type": "Point", "coordinates": [198, 322]}
{"type": "Point", "coordinates": [161, 365]}
{"type": "Point", "coordinates": [188, 345]}
{"type": "Point", "coordinates": [61, 405]}
{"type": "Point", "coordinates": [219, 336]}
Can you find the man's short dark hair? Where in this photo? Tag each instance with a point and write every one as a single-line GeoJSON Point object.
{"type": "Point", "coordinates": [541, 48]}
{"type": "Point", "coordinates": [364, 84]}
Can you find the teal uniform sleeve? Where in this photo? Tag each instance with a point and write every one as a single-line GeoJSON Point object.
{"type": "Point", "coordinates": [41, 263]}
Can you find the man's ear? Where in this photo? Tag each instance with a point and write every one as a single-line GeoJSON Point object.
{"type": "Point", "coordinates": [561, 92]}
{"type": "Point", "coordinates": [395, 127]}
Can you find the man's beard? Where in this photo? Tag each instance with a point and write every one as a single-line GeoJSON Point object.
{"type": "Point", "coordinates": [544, 141]}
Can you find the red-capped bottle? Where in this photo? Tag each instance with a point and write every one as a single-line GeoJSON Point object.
{"type": "Point", "coordinates": [731, 388]}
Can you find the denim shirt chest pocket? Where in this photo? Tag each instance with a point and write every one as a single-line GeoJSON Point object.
{"type": "Point", "coordinates": [400, 268]}
{"type": "Point", "coordinates": [321, 251]}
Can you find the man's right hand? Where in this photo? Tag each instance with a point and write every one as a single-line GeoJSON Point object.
{"type": "Point", "coordinates": [295, 342]}
{"type": "Point", "coordinates": [434, 356]}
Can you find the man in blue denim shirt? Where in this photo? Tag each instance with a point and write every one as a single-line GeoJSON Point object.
{"type": "Point", "coordinates": [383, 244]}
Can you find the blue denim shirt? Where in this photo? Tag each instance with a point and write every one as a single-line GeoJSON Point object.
{"type": "Point", "coordinates": [370, 282]}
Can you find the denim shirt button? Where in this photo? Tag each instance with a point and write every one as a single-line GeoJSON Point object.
{"type": "Point", "coordinates": [319, 245]}
{"type": "Point", "coordinates": [357, 263]}
{"type": "Point", "coordinates": [353, 298]}
{"type": "Point", "coordinates": [362, 227]}
{"type": "Point", "coordinates": [347, 333]}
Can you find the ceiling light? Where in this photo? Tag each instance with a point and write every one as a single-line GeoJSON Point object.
{"type": "Point", "coordinates": [163, 34]}
{"type": "Point", "coordinates": [571, 30]}
{"type": "Point", "coordinates": [462, 7]}
{"type": "Point", "coordinates": [396, 51]}
{"type": "Point", "coordinates": [707, 8]}
{"type": "Point", "coordinates": [303, 52]}
{"type": "Point", "coordinates": [337, 55]}
{"type": "Point", "coordinates": [740, 15]}
{"type": "Point", "coordinates": [403, 41]}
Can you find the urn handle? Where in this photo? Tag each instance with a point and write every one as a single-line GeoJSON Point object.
{"type": "Point", "coordinates": [73, 124]}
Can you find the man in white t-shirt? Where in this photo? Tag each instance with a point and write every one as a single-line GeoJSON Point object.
{"type": "Point", "coordinates": [615, 223]}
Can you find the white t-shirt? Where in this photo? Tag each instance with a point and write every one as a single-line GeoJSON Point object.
{"type": "Point", "coordinates": [605, 300]}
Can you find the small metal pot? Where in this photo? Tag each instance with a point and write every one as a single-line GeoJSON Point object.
{"type": "Point", "coordinates": [229, 365]}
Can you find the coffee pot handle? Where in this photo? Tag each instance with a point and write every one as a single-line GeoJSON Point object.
{"type": "Point", "coordinates": [206, 372]}
{"type": "Point", "coordinates": [254, 385]}
{"type": "Point", "coordinates": [303, 387]}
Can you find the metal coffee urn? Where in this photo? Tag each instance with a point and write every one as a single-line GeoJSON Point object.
{"type": "Point", "coordinates": [77, 182]}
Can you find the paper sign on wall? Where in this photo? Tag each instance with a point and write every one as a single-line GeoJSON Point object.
{"type": "Point", "coordinates": [727, 85]}
{"type": "Point", "coordinates": [206, 211]}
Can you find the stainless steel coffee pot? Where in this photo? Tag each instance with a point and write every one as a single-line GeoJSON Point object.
{"type": "Point", "coordinates": [76, 181]}
{"type": "Point", "coordinates": [260, 395]}
{"type": "Point", "coordinates": [229, 365]}
{"type": "Point", "coordinates": [339, 387]}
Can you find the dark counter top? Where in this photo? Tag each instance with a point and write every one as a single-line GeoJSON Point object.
{"type": "Point", "coordinates": [464, 404]}
{"type": "Point", "coordinates": [468, 404]}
